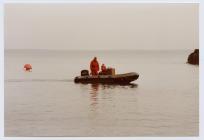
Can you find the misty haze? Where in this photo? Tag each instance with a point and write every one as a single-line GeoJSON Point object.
{"type": "Point", "coordinates": [56, 85]}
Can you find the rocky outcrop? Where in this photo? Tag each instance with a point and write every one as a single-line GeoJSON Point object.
{"type": "Point", "coordinates": [193, 58]}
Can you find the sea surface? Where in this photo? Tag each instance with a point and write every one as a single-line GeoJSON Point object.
{"type": "Point", "coordinates": [164, 101]}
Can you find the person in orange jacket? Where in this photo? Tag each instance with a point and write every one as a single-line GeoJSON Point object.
{"type": "Point", "coordinates": [103, 69]}
{"type": "Point", "coordinates": [94, 66]}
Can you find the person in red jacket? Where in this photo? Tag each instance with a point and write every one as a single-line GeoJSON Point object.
{"type": "Point", "coordinates": [103, 69]}
{"type": "Point", "coordinates": [94, 66]}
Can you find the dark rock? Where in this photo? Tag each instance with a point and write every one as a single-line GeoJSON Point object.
{"type": "Point", "coordinates": [193, 58]}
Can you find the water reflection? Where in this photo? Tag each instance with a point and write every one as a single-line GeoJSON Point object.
{"type": "Point", "coordinates": [103, 91]}
{"type": "Point", "coordinates": [112, 86]}
{"type": "Point", "coordinates": [97, 88]}
{"type": "Point", "coordinates": [101, 96]}
{"type": "Point", "coordinates": [94, 93]}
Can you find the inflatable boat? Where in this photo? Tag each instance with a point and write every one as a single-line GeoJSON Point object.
{"type": "Point", "coordinates": [108, 79]}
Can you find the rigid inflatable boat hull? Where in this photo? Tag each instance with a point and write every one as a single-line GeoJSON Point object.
{"type": "Point", "coordinates": [108, 79]}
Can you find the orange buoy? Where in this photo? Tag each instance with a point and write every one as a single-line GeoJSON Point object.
{"type": "Point", "coordinates": [27, 67]}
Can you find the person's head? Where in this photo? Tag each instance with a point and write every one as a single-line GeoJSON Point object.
{"type": "Point", "coordinates": [103, 65]}
{"type": "Point", "coordinates": [95, 58]}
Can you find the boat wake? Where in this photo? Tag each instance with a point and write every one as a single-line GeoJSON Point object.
{"type": "Point", "coordinates": [38, 80]}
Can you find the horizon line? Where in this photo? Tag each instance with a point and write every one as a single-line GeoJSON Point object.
{"type": "Point", "coordinates": [97, 49]}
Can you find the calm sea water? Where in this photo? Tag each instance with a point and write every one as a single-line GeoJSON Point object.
{"type": "Point", "coordinates": [164, 101]}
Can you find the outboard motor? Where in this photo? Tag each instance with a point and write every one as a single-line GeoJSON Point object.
{"type": "Point", "coordinates": [84, 73]}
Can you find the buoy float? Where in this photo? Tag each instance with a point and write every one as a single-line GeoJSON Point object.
{"type": "Point", "coordinates": [27, 67]}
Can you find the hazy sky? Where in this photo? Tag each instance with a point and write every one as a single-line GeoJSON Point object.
{"type": "Point", "coordinates": [101, 26]}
